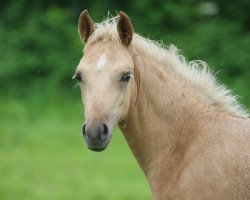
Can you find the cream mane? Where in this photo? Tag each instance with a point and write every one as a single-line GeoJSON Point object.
{"type": "Point", "coordinates": [197, 71]}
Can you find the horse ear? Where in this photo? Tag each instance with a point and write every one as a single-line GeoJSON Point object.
{"type": "Point", "coordinates": [125, 28]}
{"type": "Point", "coordinates": [85, 26]}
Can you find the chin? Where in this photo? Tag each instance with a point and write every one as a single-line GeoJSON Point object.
{"type": "Point", "coordinates": [97, 149]}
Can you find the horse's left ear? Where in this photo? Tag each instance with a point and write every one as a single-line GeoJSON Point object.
{"type": "Point", "coordinates": [125, 28]}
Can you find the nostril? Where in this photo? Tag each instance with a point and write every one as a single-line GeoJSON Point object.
{"type": "Point", "coordinates": [83, 130]}
{"type": "Point", "coordinates": [105, 129]}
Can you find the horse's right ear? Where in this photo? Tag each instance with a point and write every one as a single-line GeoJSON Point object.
{"type": "Point", "coordinates": [85, 26]}
{"type": "Point", "coordinates": [125, 28]}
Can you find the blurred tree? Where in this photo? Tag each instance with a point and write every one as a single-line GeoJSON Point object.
{"type": "Point", "coordinates": [40, 44]}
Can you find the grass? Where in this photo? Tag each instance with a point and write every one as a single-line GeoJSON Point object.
{"type": "Point", "coordinates": [43, 156]}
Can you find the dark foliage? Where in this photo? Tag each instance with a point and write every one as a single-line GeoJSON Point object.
{"type": "Point", "coordinates": [40, 46]}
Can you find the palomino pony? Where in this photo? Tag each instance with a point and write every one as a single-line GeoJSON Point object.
{"type": "Point", "coordinates": [189, 135]}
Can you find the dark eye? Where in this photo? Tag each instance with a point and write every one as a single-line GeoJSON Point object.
{"type": "Point", "coordinates": [126, 77]}
{"type": "Point", "coordinates": [78, 77]}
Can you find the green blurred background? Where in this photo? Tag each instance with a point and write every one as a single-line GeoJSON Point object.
{"type": "Point", "coordinates": [42, 155]}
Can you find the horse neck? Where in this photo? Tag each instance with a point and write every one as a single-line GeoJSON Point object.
{"type": "Point", "coordinates": [161, 121]}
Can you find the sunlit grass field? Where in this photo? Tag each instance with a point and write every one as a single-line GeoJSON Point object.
{"type": "Point", "coordinates": [43, 156]}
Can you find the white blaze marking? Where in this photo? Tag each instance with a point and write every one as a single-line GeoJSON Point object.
{"type": "Point", "coordinates": [101, 62]}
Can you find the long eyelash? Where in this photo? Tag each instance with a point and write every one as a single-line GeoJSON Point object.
{"type": "Point", "coordinates": [77, 85]}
